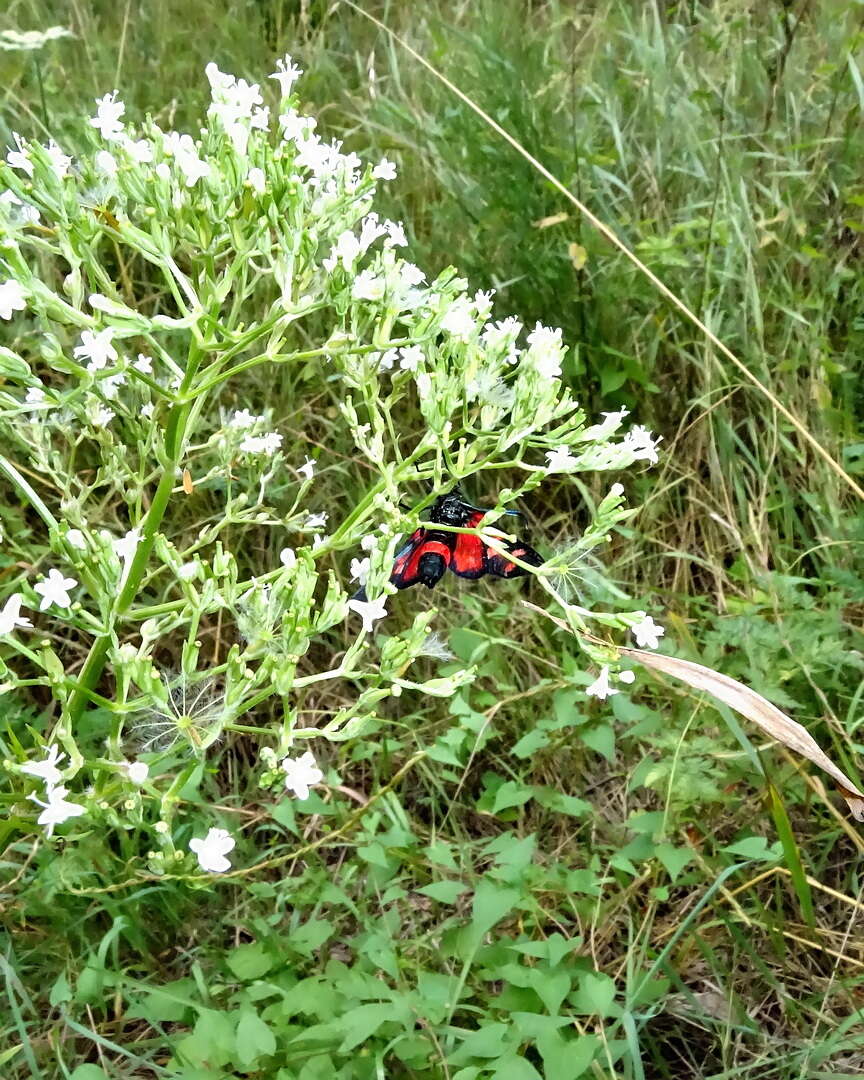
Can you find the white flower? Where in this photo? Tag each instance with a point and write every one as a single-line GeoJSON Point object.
{"type": "Point", "coordinates": [243, 418]}
{"type": "Point", "coordinates": [611, 422]}
{"type": "Point", "coordinates": [483, 302]}
{"type": "Point", "coordinates": [315, 521]}
{"type": "Point", "coordinates": [369, 611]}
{"type": "Point", "coordinates": [384, 170]}
{"type": "Point", "coordinates": [294, 125]}
{"type": "Point", "coordinates": [107, 118]}
{"type": "Point", "coordinates": [301, 773]}
{"type": "Point", "coordinates": [257, 180]}
{"type": "Point", "coordinates": [137, 771]}
{"type": "Point", "coordinates": [601, 688]}
{"type": "Point", "coordinates": [77, 539]}
{"type": "Point", "coordinates": [345, 250]}
{"type": "Point", "coordinates": [96, 348]}
{"type": "Point", "coordinates": [388, 359]}
{"type": "Point", "coordinates": [286, 73]}
{"type": "Point", "coordinates": [187, 571]}
{"type": "Point", "coordinates": [185, 153]}
{"type": "Point", "coordinates": [410, 275]}
{"type": "Point", "coordinates": [503, 335]}
{"type": "Point", "coordinates": [110, 386]}
{"type": "Point", "coordinates": [60, 162]}
{"type": "Point", "coordinates": [616, 491]}
{"type": "Point", "coordinates": [368, 286]}
{"type": "Point", "coordinates": [626, 676]}
{"type": "Point", "coordinates": [642, 444]}
{"type": "Point", "coordinates": [46, 770]}
{"type": "Point", "coordinates": [410, 356]}
{"type": "Point", "coordinates": [147, 409]}
{"type": "Point", "coordinates": [127, 545]}
{"type": "Point", "coordinates": [35, 396]}
{"type": "Point", "coordinates": [647, 632]}
{"type": "Point", "coordinates": [12, 298]}
{"type": "Point", "coordinates": [27, 213]}
{"type": "Point", "coordinates": [140, 150]}
{"type": "Point", "coordinates": [307, 469]}
{"type": "Point", "coordinates": [20, 158]}
{"type": "Point", "coordinates": [55, 590]}
{"type": "Point", "coordinates": [560, 460]}
{"type": "Point", "coordinates": [369, 542]}
{"type": "Point", "coordinates": [211, 851]}
{"type": "Point", "coordinates": [370, 230]}
{"type": "Point", "coordinates": [459, 318]}
{"type": "Point", "coordinates": [106, 163]}
{"type": "Point", "coordinates": [102, 416]}
{"type": "Point", "coordinates": [262, 444]}
{"type": "Point", "coordinates": [360, 570]}
{"type": "Point", "coordinates": [57, 809]}
{"type": "Point", "coordinates": [287, 557]}
{"type": "Point", "coordinates": [144, 364]}
{"type": "Point", "coordinates": [546, 350]}
{"type": "Point", "coordinates": [395, 235]}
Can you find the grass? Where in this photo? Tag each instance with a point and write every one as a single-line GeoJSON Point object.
{"type": "Point", "coordinates": [645, 882]}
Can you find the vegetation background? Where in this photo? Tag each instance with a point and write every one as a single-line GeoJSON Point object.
{"type": "Point", "coordinates": [668, 900]}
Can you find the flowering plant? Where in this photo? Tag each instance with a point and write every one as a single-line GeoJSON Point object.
{"type": "Point", "coordinates": [148, 286]}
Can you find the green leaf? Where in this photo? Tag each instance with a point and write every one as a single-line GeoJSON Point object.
{"type": "Point", "coordinates": [445, 892]}
{"type": "Point", "coordinates": [511, 793]}
{"type": "Point", "coordinates": [530, 743]}
{"type": "Point", "coordinates": [561, 803]}
{"type": "Point", "coordinates": [491, 903]}
{"type": "Point", "coordinates": [601, 738]}
{"type": "Point", "coordinates": [674, 859]}
{"type": "Point", "coordinates": [364, 1020]}
{"type": "Point", "coordinates": [254, 1039]}
{"type": "Point", "coordinates": [310, 936]}
{"type": "Point", "coordinates": [753, 847]}
{"type": "Point", "coordinates": [595, 995]}
{"type": "Point", "coordinates": [249, 962]}
{"type": "Point", "coordinates": [60, 991]}
{"type": "Point", "coordinates": [488, 1041]}
{"type": "Point", "coordinates": [89, 1072]}
{"type": "Point", "coordinates": [515, 1068]}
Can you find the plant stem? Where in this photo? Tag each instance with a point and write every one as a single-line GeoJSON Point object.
{"type": "Point", "coordinates": [174, 441]}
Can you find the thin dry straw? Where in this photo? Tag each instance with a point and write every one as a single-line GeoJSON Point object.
{"type": "Point", "coordinates": [622, 247]}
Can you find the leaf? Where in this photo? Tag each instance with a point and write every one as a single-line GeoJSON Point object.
{"type": "Point", "coordinates": [511, 793]}
{"type": "Point", "coordinates": [744, 701]}
{"type": "Point", "coordinates": [445, 892]}
{"type": "Point", "coordinates": [89, 1072]}
{"type": "Point", "coordinates": [674, 859]}
{"type": "Point", "coordinates": [752, 847]}
{"type": "Point", "coordinates": [254, 1039]}
{"type": "Point", "coordinates": [364, 1020]}
{"type": "Point", "coordinates": [596, 994]}
{"type": "Point", "coordinates": [249, 962]}
{"type": "Point", "coordinates": [488, 1041]}
{"type": "Point", "coordinates": [491, 903]}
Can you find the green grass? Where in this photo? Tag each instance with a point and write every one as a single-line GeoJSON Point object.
{"type": "Point", "coordinates": [723, 143]}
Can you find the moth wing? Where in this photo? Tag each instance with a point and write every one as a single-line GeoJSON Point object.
{"type": "Point", "coordinates": [501, 566]}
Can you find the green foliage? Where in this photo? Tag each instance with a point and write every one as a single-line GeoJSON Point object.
{"type": "Point", "coordinates": [558, 888]}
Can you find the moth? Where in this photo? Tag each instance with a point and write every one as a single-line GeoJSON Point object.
{"type": "Point", "coordinates": [430, 552]}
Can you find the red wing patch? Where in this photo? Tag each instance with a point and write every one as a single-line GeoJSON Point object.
{"type": "Point", "coordinates": [501, 566]}
{"type": "Point", "coordinates": [407, 564]}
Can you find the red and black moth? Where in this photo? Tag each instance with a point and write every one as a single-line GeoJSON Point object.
{"type": "Point", "coordinates": [430, 552]}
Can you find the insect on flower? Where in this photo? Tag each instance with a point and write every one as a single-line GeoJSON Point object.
{"type": "Point", "coordinates": [429, 552]}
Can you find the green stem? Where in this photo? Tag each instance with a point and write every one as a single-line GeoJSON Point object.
{"type": "Point", "coordinates": [174, 434]}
